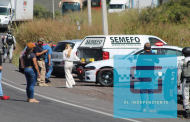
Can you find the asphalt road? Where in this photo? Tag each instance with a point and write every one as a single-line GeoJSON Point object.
{"type": "Point", "coordinates": [52, 107]}
{"type": "Point", "coordinates": [56, 104]}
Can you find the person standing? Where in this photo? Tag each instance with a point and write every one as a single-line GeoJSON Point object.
{"type": "Point", "coordinates": [2, 96]}
{"type": "Point", "coordinates": [30, 71]}
{"type": "Point", "coordinates": [69, 56]}
{"type": "Point", "coordinates": [10, 43]}
{"type": "Point", "coordinates": [183, 73]}
{"type": "Point", "coordinates": [39, 52]}
{"type": "Point", "coordinates": [145, 68]}
{"type": "Point", "coordinates": [48, 61]}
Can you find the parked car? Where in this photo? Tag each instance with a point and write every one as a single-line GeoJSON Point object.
{"type": "Point", "coordinates": [57, 56]}
{"type": "Point", "coordinates": [95, 75]}
{"type": "Point", "coordinates": [24, 50]}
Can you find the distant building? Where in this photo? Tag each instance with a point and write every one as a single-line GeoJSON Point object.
{"type": "Point", "coordinates": [146, 3]}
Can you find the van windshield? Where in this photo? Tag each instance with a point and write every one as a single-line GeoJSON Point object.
{"type": "Point", "coordinates": [71, 5]}
{"type": "Point", "coordinates": [61, 46]}
{"type": "Point", "coordinates": [117, 6]}
{"type": "Point", "coordinates": [3, 11]}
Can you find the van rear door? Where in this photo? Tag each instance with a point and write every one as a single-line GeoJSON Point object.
{"type": "Point", "coordinates": [91, 49]}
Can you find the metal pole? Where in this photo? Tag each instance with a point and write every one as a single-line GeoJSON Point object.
{"type": "Point", "coordinates": [53, 10]}
{"type": "Point", "coordinates": [104, 18]}
{"type": "Point", "coordinates": [89, 13]}
{"type": "Point", "coordinates": [139, 6]}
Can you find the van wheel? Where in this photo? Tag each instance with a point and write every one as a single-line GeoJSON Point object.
{"type": "Point", "coordinates": [105, 78]}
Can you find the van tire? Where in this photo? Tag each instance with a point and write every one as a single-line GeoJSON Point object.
{"type": "Point", "coordinates": [105, 78]}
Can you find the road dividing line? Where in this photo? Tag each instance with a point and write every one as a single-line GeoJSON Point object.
{"type": "Point", "coordinates": [78, 106]}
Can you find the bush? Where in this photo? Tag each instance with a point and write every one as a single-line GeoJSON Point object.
{"type": "Point", "coordinates": [41, 12]}
{"type": "Point", "coordinates": [174, 11]}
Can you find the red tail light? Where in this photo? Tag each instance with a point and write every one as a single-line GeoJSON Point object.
{"type": "Point", "coordinates": [76, 53]}
{"type": "Point", "coordinates": [105, 55]}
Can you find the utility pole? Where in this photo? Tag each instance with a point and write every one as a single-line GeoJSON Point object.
{"type": "Point", "coordinates": [53, 10]}
{"type": "Point", "coordinates": [139, 6]}
{"type": "Point", "coordinates": [104, 18]}
{"type": "Point", "coordinates": [89, 13]}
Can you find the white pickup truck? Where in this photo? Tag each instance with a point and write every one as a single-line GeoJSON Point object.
{"type": "Point", "coordinates": [15, 10]}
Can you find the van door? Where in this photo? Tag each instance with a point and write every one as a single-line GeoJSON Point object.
{"type": "Point", "coordinates": [91, 49]}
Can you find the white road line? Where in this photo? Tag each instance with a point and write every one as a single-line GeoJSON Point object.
{"type": "Point", "coordinates": [93, 110]}
{"type": "Point", "coordinates": [62, 98]}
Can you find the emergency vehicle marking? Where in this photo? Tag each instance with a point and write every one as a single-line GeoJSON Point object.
{"type": "Point", "coordinates": [125, 41]}
{"type": "Point", "coordinates": [93, 42]}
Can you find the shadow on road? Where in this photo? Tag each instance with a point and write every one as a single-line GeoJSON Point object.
{"type": "Point", "coordinates": [18, 100]}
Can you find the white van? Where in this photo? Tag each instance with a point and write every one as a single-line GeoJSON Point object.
{"type": "Point", "coordinates": [117, 6]}
{"type": "Point", "coordinates": [102, 47]}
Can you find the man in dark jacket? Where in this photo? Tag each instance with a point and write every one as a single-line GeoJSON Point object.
{"type": "Point", "coordinates": [39, 52]}
{"type": "Point", "coordinates": [145, 69]}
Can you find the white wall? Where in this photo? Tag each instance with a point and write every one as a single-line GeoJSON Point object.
{"type": "Point", "coordinates": [144, 3]}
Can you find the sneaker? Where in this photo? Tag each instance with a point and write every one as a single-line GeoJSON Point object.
{"type": "Point", "coordinates": [47, 80]}
{"type": "Point", "coordinates": [4, 97]}
{"type": "Point", "coordinates": [187, 116]}
{"type": "Point", "coordinates": [10, 61]}
{"type": "Point", "coordinates": [3, 60]}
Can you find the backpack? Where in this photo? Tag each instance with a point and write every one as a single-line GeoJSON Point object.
{"type": "Point", "coordinates": [186, 69]}
{"type": "Point", "coordinates": [10, 39]}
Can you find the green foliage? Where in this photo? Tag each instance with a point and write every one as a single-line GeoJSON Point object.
{"type": "Point", "coordinates": [41, 12]}
{"type": "Point", "coordinates": [108, 1]}
{"type": "Point", "coordinates": [174, 11]}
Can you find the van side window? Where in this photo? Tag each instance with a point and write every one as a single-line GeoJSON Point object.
{"type": "Point", "coordinates": [153, 40]}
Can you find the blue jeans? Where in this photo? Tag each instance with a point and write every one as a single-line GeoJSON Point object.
{"type": "Point", "coordinates": [31, 77]}
{"type": "Point", "coordinates": [144, 94]}
{"type": "Point", "coordinates": [50, 68]}
{"type": "Point", "coordinates": [1, 90]}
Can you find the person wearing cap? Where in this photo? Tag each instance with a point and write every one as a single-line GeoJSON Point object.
{"type": "Point", "coordinates": [10, 45]}
{"type": "Point", "coordinates": [31, 71]}
{"type": "Point", "coordinates": [40, 55]}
